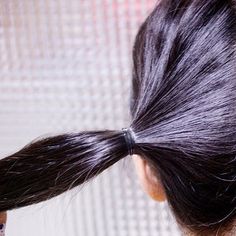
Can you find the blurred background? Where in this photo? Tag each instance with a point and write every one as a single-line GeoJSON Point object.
{"type": "Point", "coordinates": [66, 66]}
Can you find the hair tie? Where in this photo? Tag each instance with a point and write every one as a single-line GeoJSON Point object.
{"type": "Point", "coordinates": [129, 139]}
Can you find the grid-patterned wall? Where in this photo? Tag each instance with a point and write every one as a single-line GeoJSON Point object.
{"type": "Point", "coordinates": [65, 66]}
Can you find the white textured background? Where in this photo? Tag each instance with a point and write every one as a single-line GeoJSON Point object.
{"type": "Point", "coordinates": [65, 66]}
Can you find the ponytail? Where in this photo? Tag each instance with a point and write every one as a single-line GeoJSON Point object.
{"type": "Point", "coordinates": [48, 167]}
{"type": "Point", "coordinates": [183, 110]}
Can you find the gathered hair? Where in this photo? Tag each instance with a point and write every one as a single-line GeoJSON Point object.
{"type": "Point", "coordinates": [183, 117]}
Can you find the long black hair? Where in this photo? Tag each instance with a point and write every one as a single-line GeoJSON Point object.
{"type": "Point", "coordinates": [183, 117]}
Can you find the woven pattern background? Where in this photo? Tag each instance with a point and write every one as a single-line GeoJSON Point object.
{"type": "Point", "coordinates": [66, 66]}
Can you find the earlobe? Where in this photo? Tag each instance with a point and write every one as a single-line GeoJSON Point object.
{"type": "Point", "coordinates": [155, 188]}
{"type": "Point", "coordinates": [148, 180]}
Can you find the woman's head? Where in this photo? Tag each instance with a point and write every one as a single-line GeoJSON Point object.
{"type": "Point", "coordinates": [183, 108]}
{"type": "Point", "coordinates": [183, 119]}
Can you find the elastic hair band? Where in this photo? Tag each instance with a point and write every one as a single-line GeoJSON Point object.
{"type": "Point", "coordinates": [129, 139]}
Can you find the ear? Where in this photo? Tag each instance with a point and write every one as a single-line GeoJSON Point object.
{"type": "Point", "coordinates": [148, 180]}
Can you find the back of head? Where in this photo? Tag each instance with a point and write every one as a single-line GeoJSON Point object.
{"type": "Point", "coordinates": [184, 108]}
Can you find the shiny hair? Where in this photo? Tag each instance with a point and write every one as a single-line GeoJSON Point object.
{"type": "Point", "coordinates": [183, 116]}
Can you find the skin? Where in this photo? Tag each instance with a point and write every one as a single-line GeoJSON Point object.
{"type": "Point", "coordinates": [148, 181]}
{"type": "Point", "coordinates": [3, 218]}
{"type": "Point", "coordinates": [152, 186]}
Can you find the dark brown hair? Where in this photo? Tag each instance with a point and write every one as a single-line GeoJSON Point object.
{"type": "Point", "coordinates": [183, 115]}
